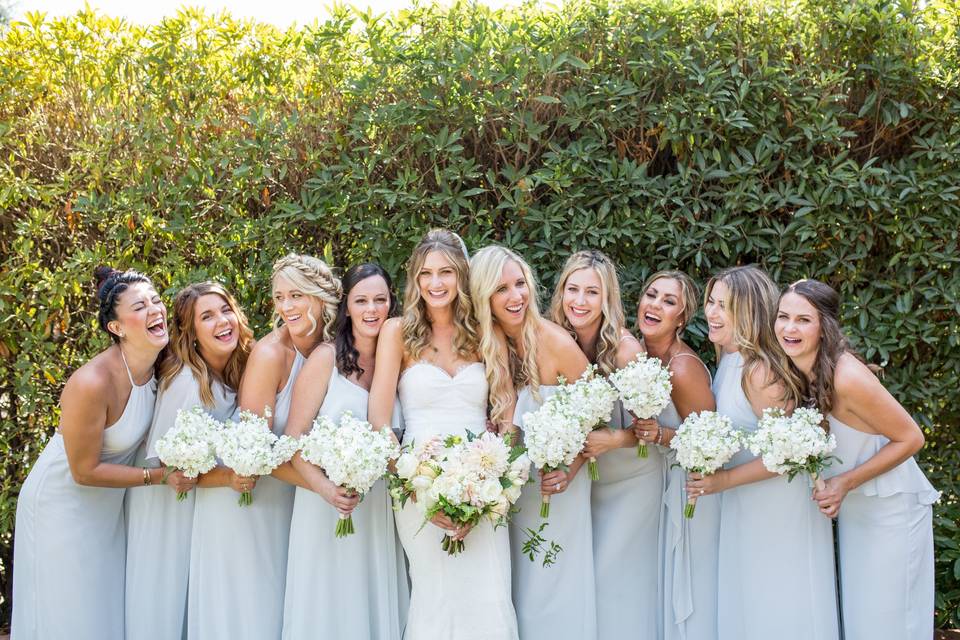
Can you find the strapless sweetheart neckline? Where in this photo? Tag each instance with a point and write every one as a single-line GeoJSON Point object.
{"type": "Point", "coordinates": [460, 369]}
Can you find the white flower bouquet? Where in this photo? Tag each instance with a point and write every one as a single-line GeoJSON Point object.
{"type": "Point", "coordinates": [553, 435]}
{"type": "Point", "coordinates": [479, 476]}
{"type": "Point", "coordinates": [190, 444]}
{"type": "Point", "coordinates": [793, 444]}
{"type": "Point", "coordinates": [591, 398]}
{"type": "Point", "coordinates": [351, 453]}
{"type": "Point", "coordinates": [704, 443]}
{"type": "Point", "coordinates": [416, 469]}
{"type": "Point", "coordinates": [250, 448]}
{"type": "Point", "coordinates": [644, 386]}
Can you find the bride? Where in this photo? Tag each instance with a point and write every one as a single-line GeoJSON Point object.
{"type": "Point", "coordinates": [429, 357]}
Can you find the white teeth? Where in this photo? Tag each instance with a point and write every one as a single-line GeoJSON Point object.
{"type": "Point", "coordinates": [224, 333]}
{"type": "Point", "coordinates": [651, 317]}
{"type": "Point", "coordinates": [714, 325]}
{"type": "Point", "coordinates": [293, 318]}
{"type": "Point", "coordinates": [515, 309]}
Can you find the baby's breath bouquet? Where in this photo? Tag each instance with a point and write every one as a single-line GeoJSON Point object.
{"type": "Point", "coordinates": [793, 444]}
{"type": "Point", "coordinates": [644, 386]}
{"type": "Point", "coordinates": [250, 448]}
{"type": "Point", "coordinates": [704, 443]}
{"type": "Point", "coordinates": [190, 444]}
{"type": "Point", "coordinates": [351, 453]}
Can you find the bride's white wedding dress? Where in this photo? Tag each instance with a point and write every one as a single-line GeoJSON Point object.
{"type": "Point", "coordinates": [466, 596]}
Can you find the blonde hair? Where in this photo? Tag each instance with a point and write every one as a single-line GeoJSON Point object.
{"type": "Point", "coordinates": [752, 304]}
{"type": "Point", "coordinates": [313, 277]}
{"type": "Point", "coordinates": [415, 322]}
{"type": "Point", "coordinates": [611, 308]}
{"type": "Point", "coordinates": [486, 273]}
{"type": "Point", "coordinates": [688, 294]}
{"type": "Point", "coordinates": [183, 342]}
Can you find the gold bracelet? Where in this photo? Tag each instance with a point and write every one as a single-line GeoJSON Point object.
{"type": "Point", "coordinates": [147, 480]}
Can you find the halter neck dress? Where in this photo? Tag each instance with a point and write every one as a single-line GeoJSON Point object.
{"type": "Point", "coordinates": [159, 527]}
{"type": "Point", "coordinates": [885, 544]}
{"type": "Point", "coordinates": [238, 555]}
{"type": "Point", "coordinates": [69, 545]}
{"type": "Point", "coordinates": [367, 565]}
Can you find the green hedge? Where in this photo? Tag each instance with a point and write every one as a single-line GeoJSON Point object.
{"type": "Point", "coordinates": [818, 138]}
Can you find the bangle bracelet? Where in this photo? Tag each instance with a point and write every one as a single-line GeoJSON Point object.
{"type": "Point", "coordinates": [659, 434]}
{"type": "Point", "coordinates": [147, 480]}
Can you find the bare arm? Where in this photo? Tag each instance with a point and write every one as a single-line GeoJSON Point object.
{"type": "Point", "coordinates": [691, 394]}
{"type": "Point", "coordinates": [602, 440]}
{"type": "Point", "coordinates": [83, 418]}
{"type": "Point", "coordinates": [386, 375]}
{"type": "Point", "coordinates": [309, 391]}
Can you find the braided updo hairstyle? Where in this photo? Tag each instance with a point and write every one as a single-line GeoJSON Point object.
{"type": "Point", "coordinates": [314, 278]}
{"type": "Point", "coordinates": [110, 284]}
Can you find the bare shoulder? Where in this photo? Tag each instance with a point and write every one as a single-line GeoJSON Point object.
{"type": "Point", "coordinates": [392, 330]}
{"type": "Point", "coordinates": [852, 377]}
{"type": "Point", "coordinates": [324, 353]}
{"type": "Point", "coordinates": [628, 349]}
{"type": "Point", "coordinates": [687, 365]}
{"type": "Point", "coordinates": [270, 349]}
{"type": "Point", "coordinates": [92, 381]}
{"type": "Point", "coordinates": [555, 337]}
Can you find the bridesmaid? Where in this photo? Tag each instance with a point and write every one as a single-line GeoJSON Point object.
{"type": "Point", "coordinates": [364, 566]}
{"type": "Point", "coordinates": [69, 536]}
{"type": "Point", "coordinates": [688, 547]}
{"type": "Point", "coordinates": [626, 501]}
{"type": "Point", "coordinates": [882, 498]}
{"type": "Point", "coordinates": [200, 370]}
{"type": "Point", "coordinates": [775, 572]}
{"type": "Point", "coordinates": [305, 298]}
{"type": "Point", "coordinates": [221, 560]}
{"type": "Point", "coordinates": [519, 347]}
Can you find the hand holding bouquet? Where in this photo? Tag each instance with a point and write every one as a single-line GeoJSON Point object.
{"type": "Point", "coordinates": [591, 399]}
{"type": "Point", "coordinates": [554, 436]}
{"type": "Point", "coordinates": [793, 444]}
{"type": "Point", "coordinates": [351, 453]}
{"type": "Point", "coordinates": [644, 386]}
{"type": "Point", "coordinates": [250, 448]}
{"type": "Point", "coordinates": [704, 443]}
{"type": "Point", "coordinates": [190, 444]}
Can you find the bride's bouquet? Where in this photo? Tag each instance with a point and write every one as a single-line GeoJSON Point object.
{"type": "Point", "coordinates": [704, 443]}
{"type": "Point", "coordinates": [553, 435]}
{"type": "Point", "coordinates": [416, 469]}
{"type": "Point", "coordinates": [591, 399]}
{"type": "Point", "coordinates": [250, 448]}
{"type": "Point", "coordinates": [477, 477]}
{"type": "Point", "coordinates": [351, 453]}
{"type": "Point", "coordinates": [644, 386]}
{"type": "Point", "coordinates": [793, 444]}
{"type": "Point", "coordinates": [190, 444]}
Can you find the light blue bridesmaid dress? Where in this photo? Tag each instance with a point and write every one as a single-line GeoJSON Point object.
{"type": "Point", "coordinates": [885, 531]}
{"type": "Point", "coordinates": [238, 555]}
{"type": "Point", "coordinates": [159, 526]}
{"type": "Point", "coordinates": [69, 544]}
{"type": "Point", "coordinates": [558, 601]}
{"type": "Point", "coordinates": [776, 575]}
{"type": "Point", "coordinates": [625, 511]}
{"type": "Point", "coordinates": [689, 556]}
{"type": "Point", "coordinates": [351, 588]}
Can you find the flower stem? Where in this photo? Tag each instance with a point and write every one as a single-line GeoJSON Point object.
{"type": "Point", "coordinates": [642, 450]}
{"type": "Point", "coordinates": [594, 469]}
{"type": "Point", "coordinates": [344, 526]}
{"type": "Point", "coordinates": [181, 496]}
{"type": "Point", "coordinates": [689, 507]}
{"type": "Point", "coordinates": [545, 506]}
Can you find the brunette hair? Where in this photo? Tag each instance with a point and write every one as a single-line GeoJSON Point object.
{"type": "Point", "coordinates": [347, 354]}
{"type": "Point", "coordinates": [110, 285]}
{"type": "Point", "coordinates": [183, 342]}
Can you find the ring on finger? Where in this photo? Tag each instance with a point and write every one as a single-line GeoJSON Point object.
{"type": "Point", "coordinates": [557, 486]}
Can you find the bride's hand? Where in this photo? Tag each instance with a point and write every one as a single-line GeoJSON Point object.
{"type": "Point", "coordinates": [441, 520]}
{"type": "Point", "coordinates": [461, 531]}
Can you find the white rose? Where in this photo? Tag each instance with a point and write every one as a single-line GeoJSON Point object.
{"type": "Point", "coordinates": [512, 493]}
{"type": "Point", "coordinates": [490, 490]}
{"type": "Point", "coordinates": [406, 466]}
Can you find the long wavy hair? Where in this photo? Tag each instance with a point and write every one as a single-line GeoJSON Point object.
{"type": "Point", "coordinates": [752, 304]}
{"type": "Point", "coordinates": [313, 277]}
{"type": "Point", "coordinates": [611, 307]}
{"type": "Point", "coordinates": [183, 342]}
{"type": "Point", "coordinates": [415, 322]}
{"type": "Point", "coordinates": [486, 272]}
{"type": "Point", "coordinates": [689, 295]}
{"type": "Point", "coordinates": [347, 354]}
{"type": "Point", "coordinates": [833, 343]}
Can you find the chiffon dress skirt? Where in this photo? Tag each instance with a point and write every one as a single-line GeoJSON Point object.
{"type": "Point", "coordinates": [467, 596]}
{"type": "Point", "coordinates": [349, 588]}
{"type": "Point", "coordinates": [625, 510]}
{"type": "Point", "coordinates": [238, 555]}
{"type": "Point", "coordinates": [776, 569]}
{"type": "Point", "coordinates": [689, 552]}
{"type": "Point", "coordinates": [69, 545]}
{"type": "Point", "coordinates": [159, 526]}
{"type": "Point", "coordinates": [885, 544]}
{"type": "Point", "coordinates": [558, 601]}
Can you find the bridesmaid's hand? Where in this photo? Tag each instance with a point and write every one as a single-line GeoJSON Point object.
{"type": "Point", "coordinates": [179, 482]}
{"type": "Point", "coordinates": [646, 430]}
{"type": "Point", "coordinates": [554, 482]}
{"type": "Point", "coordinates": [343, 500]}
{"type": "Point", "coordinates": [832, 495]}
{"type": "Point", "coordinates": [241, 484]}
{"type": "Point", "coordinates": [599, 442]}
{"type": "Point", "coordinates": [699, 485]}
